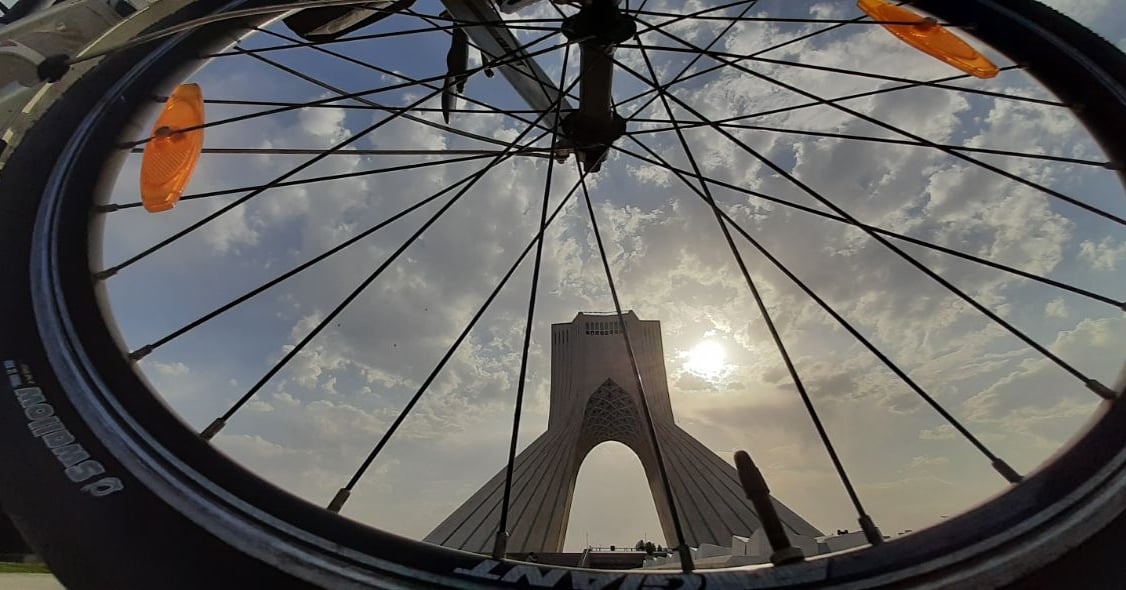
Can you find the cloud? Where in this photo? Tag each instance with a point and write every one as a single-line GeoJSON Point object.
{"type": "Point", "coordinates": [175, 369]}
{"type": "Point", "coordinates": [690, 382]}
{"type": "Point", "coordinates": [1103, 256]}
{"type": "Point", "coordinates": [940, 432]}
{"type": "Point", "coordinates": [925, 462]}
{"type": "Point", "coordinates": [322, 122]}
{"type": "Point", "coordinates": [1041, 404]}
{"type": "Point", "coordinates": [1057, 308]}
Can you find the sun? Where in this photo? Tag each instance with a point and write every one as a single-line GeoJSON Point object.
{"type": "Point", "coordinates": [708, 359]}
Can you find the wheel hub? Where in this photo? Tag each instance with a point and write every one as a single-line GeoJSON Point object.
{"type": "Point", "coordinates": [598, 28]}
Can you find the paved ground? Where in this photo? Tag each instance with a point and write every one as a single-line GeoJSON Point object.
{"type": "Point", "coordinates": [29, 582]}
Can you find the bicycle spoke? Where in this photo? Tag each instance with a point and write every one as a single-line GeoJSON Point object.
{"type": "Point", "coordinates": [345, 492]}
{"type": "Point", "coordinates": [101, 275]}
{"type": "Point", "coordinates": [111, 207]}
{"type": "Point", "coordinates": [870, 119]}
{"type": "Point", "coordinates": [646, 27]}
{"type": "Point", "coordinates": [679, 76]}
{"type": "Point", "coordinates": [396, 112]}
{"type": "Point", "coordinates": [870, 139]}
{"type": "Point", "coordinates": [388, 72]}
{"type": "Point", "coordinates": [195, 23]}
{"type": "Point", "coordinates": [297, 44]}
{"type": "Point", "coordinates": [1092, 384]}
{"type": "Point", "coordinates": [439, 78]}
{"type": "Point", "coordinates": [147, 349]}
{"type": "Point", "coordinates": [404, 114]}
{"type": "Point", "coordinates": [537, 152]}
{"type": "Point", "coordinates": [658, 161]}
{"type": "Point", "coordinates": [672, 20]}
{"type": "Point", "coordinates": [332, 99]}
{"type": "Point", "coordinates": [682, 548]}
{"type": "Point", "coordinates": [683, 17]}
{"type": "Point", "coordinates": [329, 101]}
{"type": "Point", "coordinates": [871, 532]}
{"type": "Point", "coordinates": [805, 105]}
{"type": "Point", "coordinates": [464, 23]}
{"type": "Point", "coordinates": [500, 547]}
{"type": "Point", "coordinates": [771, 19]}
{"type": "Point", "coordinates": [563, 15]}
{"type": "Point", "coordinates": [902, 80]}
{"type": "Point", "coordinates": [810, 35]}
{"type": "Point", "coordinates": [221, 421]}
{"type": "Point", "coordinates": [996, 462]}
{"type": "Point", "coordinates": [735, 57]}
{"type": "Point", "coordinates": [357, 107]}
{"type": "Point", "coordinates": [482, 51]}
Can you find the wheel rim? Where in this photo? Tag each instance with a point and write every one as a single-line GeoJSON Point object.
{"type": "Point", "coordinates": [54, 280]}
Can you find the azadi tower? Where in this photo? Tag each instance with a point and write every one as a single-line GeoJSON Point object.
{"type": "Point", "coordinates": [594, 399]}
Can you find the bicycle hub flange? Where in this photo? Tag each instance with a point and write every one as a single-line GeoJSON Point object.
{"type": "Point", "coordinates": [598, 28]}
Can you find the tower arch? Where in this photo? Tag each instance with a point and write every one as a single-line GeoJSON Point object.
{"type": "Point", "coordinates": [612, 504]}
{"type": "Point", "coordinates": [594, 398]}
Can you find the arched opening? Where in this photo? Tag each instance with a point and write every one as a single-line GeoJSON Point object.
{"type": "Point", "coordinates": [612, 504]}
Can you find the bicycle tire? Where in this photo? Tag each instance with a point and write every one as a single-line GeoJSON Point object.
{"type": "Point", "coordinates": [181, 516]}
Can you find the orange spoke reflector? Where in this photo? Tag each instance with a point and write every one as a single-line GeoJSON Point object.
{"type": "Point", "coordinates": [930, 37]}
{"type": "Point", "coordinates": [170, 156]}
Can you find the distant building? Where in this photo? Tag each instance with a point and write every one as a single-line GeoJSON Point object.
{"type": "Point", "coordinates": [756, 550]}
{"type": "Point", "coordinates": [594, 399]}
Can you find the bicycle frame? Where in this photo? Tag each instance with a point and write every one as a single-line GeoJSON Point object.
{"type": "Point", "coordinates": [524, 74]}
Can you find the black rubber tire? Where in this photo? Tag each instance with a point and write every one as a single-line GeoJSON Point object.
{"type": "Point", "coordinates": [179, 520]}
{"type": "Point", "coordinates": [120, 540]}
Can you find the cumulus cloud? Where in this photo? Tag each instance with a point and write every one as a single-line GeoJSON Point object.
{"type": "Point", "coordinates": [326, 123]}
{"type": "Point", "coordinates": [941, 432]}
{"type": "Point", "coordinates": [1057, 308]}
{"type": "Point", "coordinates": [925, 462]}
{"type": "Point", "coordinates": [175, 369]}
{"type": "Point", "coordinates": [1105, 255]}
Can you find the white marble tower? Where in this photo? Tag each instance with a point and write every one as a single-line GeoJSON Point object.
{"type": "Point", "coordinates": [594, 400]}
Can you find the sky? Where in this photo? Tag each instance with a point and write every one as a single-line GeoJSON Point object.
{"type": "Point", "coordinates": [309, 427]}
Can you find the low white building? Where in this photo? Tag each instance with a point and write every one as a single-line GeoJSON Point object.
{"type": "Point", "coordinates": [756, 550]}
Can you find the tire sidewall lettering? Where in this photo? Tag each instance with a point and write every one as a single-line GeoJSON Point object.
{"type": "Point", "coordinates": [52, 432]}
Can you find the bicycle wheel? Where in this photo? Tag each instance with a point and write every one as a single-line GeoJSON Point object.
{"type": "Point", "coordinates": [115, 490]}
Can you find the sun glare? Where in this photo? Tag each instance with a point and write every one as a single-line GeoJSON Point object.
{"type": "Point", "coordinates": [707, 359]}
